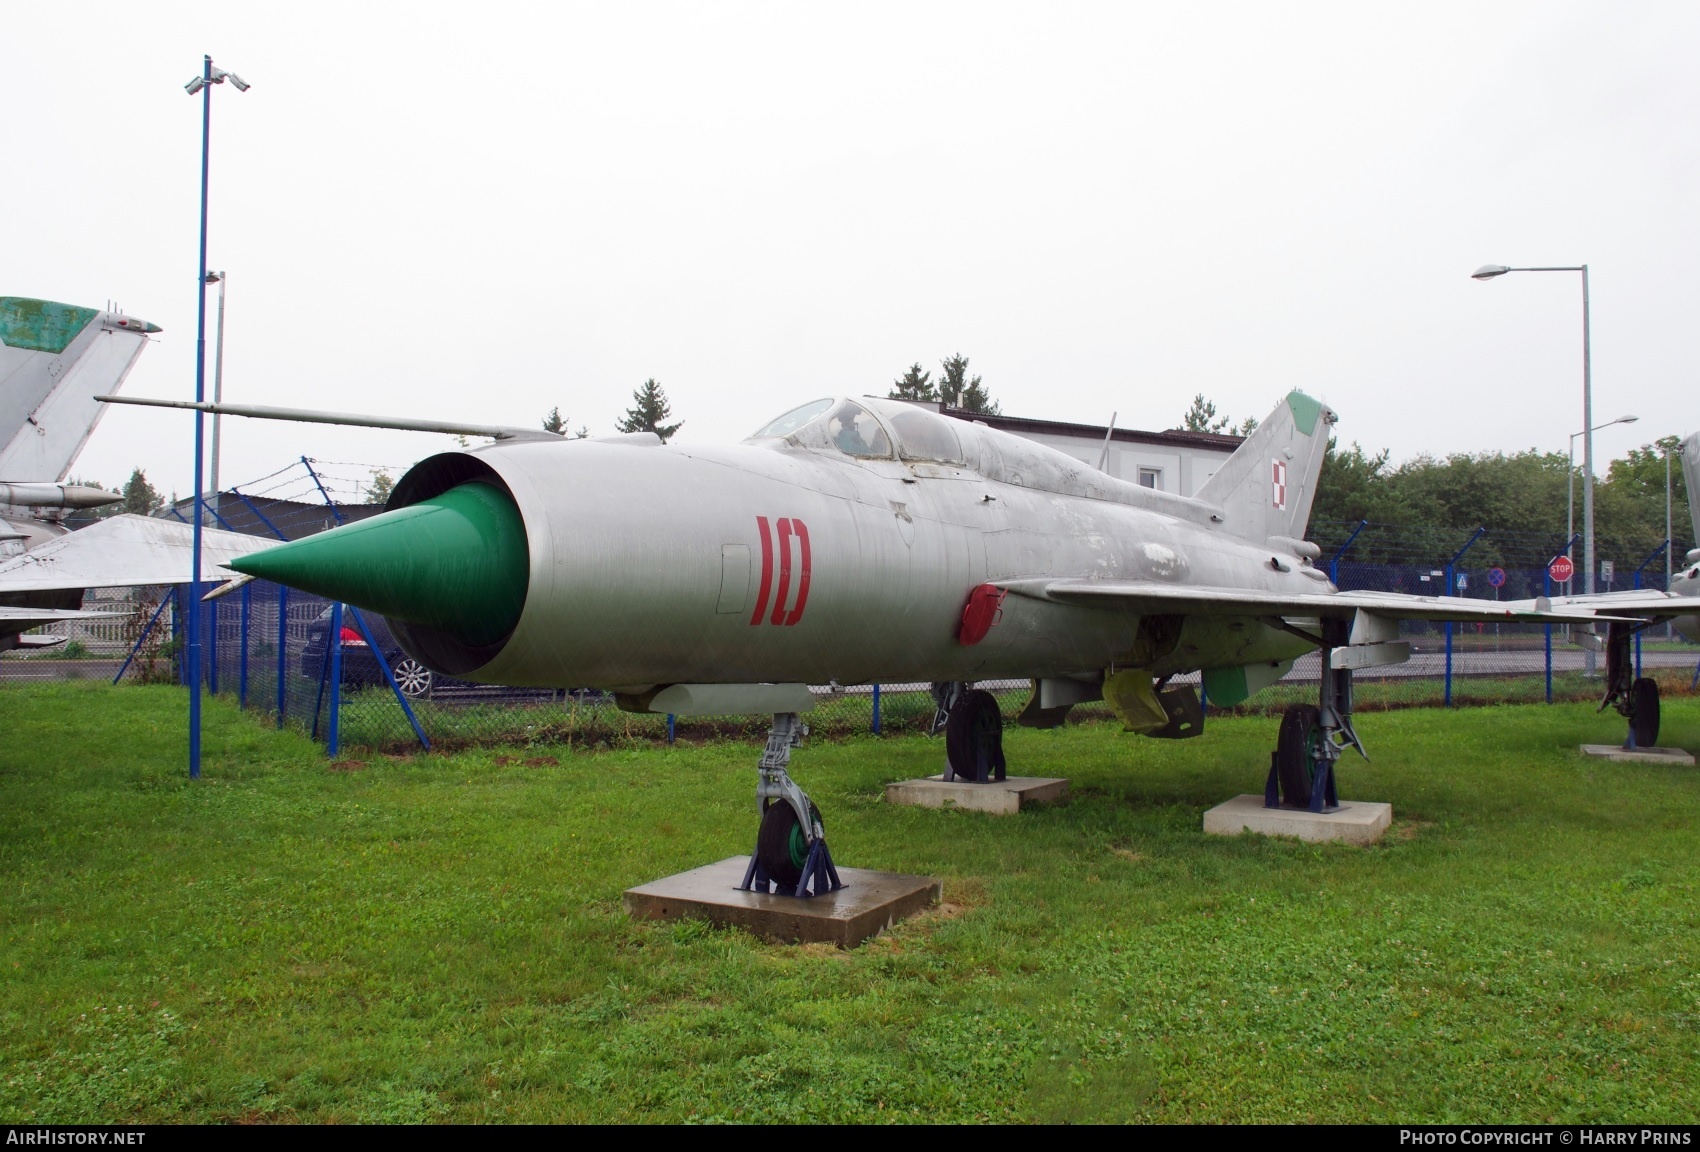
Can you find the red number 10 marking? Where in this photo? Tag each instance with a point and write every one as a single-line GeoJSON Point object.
{"type": "Point", "coordinates": [787, 530]}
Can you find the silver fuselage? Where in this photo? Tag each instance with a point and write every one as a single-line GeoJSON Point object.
{"type": "Point", "coordinates": [647, 566]}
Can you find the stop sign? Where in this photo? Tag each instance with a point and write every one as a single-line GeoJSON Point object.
{"type": "Point", "coordinates": [1561, 569]}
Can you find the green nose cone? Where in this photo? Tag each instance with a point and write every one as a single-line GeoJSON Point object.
{"type": "Point", "coordinates": [457, 562]}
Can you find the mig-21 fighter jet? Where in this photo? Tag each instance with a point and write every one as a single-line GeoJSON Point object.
{"type": "Point", "coordinates": [857, 540]}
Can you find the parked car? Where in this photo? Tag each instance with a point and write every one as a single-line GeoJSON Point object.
{"type": "Point", "coordinates": [359, 666]}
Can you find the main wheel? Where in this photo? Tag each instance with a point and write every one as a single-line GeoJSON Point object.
{"type": "Point", "coordinates": [1295, 751]}
{"type": "Point", "coordinates": [782, 847]}
{"type": "Point", "coordinates": [412, 677]}
{"type": "Point", "coordinates": [973, 738]}
{"type": "Point", "coordinates": [1644, 712]}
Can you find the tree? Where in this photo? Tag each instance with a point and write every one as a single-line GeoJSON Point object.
{"type": "Point", "coordinates": [976, 399]}
{"type": "Point", "coordinates": [140, 497]}
{"type": "Point", "coordinates": [557, 423]}
{"type": "Point", "coordinates": [378, 491]}
{"type": "Point", "coordinates": [649, 408]}
{"type": "Point", "coordinates": [914, 385]}
{"type": "Point", "coordinates": [958, 390]}
{"type": "Point", "coordinates": [1201, 417]}
{"type": "Point", "coordinates": [1247, 426]}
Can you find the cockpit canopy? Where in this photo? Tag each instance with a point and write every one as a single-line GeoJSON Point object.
{"type": "Point", "coordinates": [867, 429]}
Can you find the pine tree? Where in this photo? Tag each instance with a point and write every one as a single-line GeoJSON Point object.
{"type": "Point", "coordinates": [557, 423]}
{"type": "Point", "coordinates": [140, 497]}
{"type": "Point", "coordinates": [954, 380]}
{"type": "Point", "coordinates": [914, 384]}
{"type": "Point", "coordinates": [1201, 417]}
{"type": "Point", "coordinates": [959, 390]}
{"type": "Point", "coordinates": [649, 408]}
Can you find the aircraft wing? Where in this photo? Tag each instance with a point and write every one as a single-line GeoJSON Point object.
{"type": "Point", "coordinates": [1640, 602]}
{"type": "Point", "coordinates": [126, 551]}
{"type": "Point", "coordinates": [1151, 597]}
{"type": "Point", "coordinates": [26, 618]}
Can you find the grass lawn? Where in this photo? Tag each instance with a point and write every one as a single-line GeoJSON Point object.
{"type": "Point", "coordinates": [441, 937]}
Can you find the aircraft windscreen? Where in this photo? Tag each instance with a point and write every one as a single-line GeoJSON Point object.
{"type": "Point", "coordinates": [854, 431]}
{"type": "Point", "coordinates": [923, 435]}
{"type": "Point", "coordinates": [796, 418]}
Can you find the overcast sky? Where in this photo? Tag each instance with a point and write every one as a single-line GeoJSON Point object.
{"type": "Point", "coordinates": [483, 211]}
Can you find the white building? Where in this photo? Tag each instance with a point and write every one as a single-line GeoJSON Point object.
{"type": "Point", "coordinates": [1173, 461]}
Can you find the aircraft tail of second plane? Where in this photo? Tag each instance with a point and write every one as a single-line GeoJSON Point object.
{"type": "Point", "coordinates": [54, 359]}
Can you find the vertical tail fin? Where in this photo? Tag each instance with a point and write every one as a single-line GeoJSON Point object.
{"type": "Point", "coordinates": [1267, 486]}
{"type": "Point", "coordinates": [54, 359]}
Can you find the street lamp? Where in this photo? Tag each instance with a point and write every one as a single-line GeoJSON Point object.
{"type": "Point", "coordinates": [202, 86]}
{"type": "Point", "coordinates": [1570, 479]}
{"type": "Point", "coordinates": [1668, 544]}
{"type": "Point", "coordinates": [1491, 271]}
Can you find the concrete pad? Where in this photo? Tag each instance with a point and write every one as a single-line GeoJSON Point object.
{"type": "Point", "coordinates": [1355, 822]}
{"type": "Point", "coordinates": [869, 903]}
{"type": "Point", "coordinates": [999, 797]}
{"type": "Point", "coordinates": [1642, 755]}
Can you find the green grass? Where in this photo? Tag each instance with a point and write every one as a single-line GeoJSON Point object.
{"type": "Point", "coordinates": [441, 938]}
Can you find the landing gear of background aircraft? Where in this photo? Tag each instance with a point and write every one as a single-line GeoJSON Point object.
{"type": "Point", "coordinates": [1635, 700]}
{"type": "Point", "coordinates": [973, 733]}
{"type": "Point", "coordinates": [791, 857]}
{"type": "Point", "coordinates": [1307, 751]}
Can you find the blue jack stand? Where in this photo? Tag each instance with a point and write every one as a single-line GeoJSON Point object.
{"type": "Point", "coordinates": [819, 875]}
{"type": "Point", "coordinates": [1323, 797]}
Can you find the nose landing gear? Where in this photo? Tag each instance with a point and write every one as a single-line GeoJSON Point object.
{"type": "Point", "coordinates": [791, 857]}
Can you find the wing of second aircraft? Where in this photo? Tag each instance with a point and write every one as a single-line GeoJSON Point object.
{"type": "Point", "coordinates": [125, 551]}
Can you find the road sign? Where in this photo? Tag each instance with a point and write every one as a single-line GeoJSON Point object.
{"type": "Point", "coordinates": [1561, 570]}
{"type": "Point", "coordinates": [1605, 570]}
{"type": "Point", "coordinates": [1463, 581]}
{"type": "Point", "coordinates": [1496, 577]}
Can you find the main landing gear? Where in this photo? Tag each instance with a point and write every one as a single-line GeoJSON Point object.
{"type": "Point", "coordinates": [973, 732]}
{"type": "Point", "coordinates": [1302, 767]}
{"type": "Point", "coordinates": [1636, 700]}
{"type": "Point", "coordinates": [791, 857]}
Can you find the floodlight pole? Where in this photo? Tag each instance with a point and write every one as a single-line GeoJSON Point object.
{"type": "Point", "coordinates": [201, 86]}
{"type": "Point", "coordinates": [193, 654]}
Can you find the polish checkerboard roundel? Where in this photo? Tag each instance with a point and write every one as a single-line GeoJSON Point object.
{"type": "Point", "coordinates": [1278, 484]}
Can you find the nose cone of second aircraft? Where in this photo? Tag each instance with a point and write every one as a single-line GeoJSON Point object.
{"type": "Point", "coordinates": [458, 562]}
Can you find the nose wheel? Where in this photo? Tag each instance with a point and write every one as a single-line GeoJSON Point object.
{"type": "Point", "coordinates": [791, 856]}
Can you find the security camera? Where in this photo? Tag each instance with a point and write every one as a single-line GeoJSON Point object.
{"type": "Point", "coordinates": [241, 84]}
{"type": "Point", "coordinates": [195, 85]}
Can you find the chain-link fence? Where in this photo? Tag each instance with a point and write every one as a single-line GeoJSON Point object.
{"type": "Point", "coordinates": [340, 675]}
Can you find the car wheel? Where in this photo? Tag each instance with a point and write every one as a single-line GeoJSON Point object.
{"type": "Point", "coordinates": [412, 677]}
